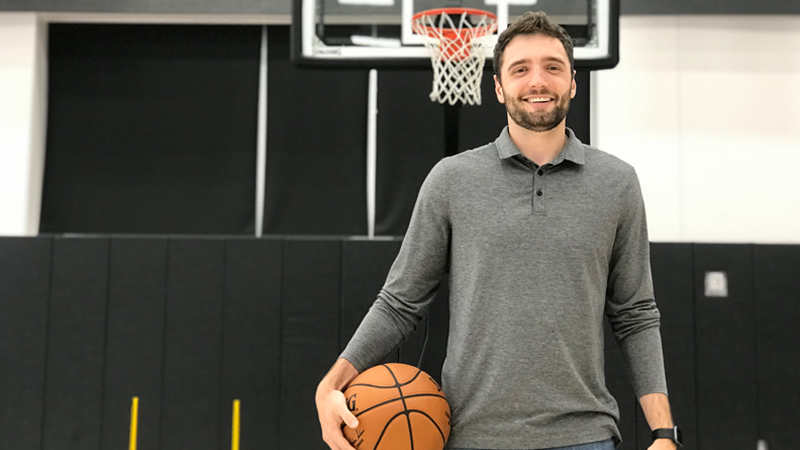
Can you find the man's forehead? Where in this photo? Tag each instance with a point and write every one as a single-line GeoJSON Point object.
{"type": "Point", "coordinates": [535, 48]}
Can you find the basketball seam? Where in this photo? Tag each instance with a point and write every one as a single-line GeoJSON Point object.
{"type": "Point", "coordinates": [405, 407]}
{"type": "Point", "coordinates": [441, 433]}
{"type": "Point", "coordinates": [398, 398]}
{"type": "Point", "coordinates": [390, 387]}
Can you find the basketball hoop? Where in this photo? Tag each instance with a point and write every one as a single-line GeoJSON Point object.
{"type": "Point", "coordinates": [456, 39]}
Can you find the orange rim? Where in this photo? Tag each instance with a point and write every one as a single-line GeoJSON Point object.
{"type": "Point", "coordinates": [431, 31]}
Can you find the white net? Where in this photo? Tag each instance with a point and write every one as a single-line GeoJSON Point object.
{"type": "Point", "coordinates": [456, 40]}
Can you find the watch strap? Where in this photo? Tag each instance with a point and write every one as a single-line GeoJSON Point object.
{"type": "Point", "coordinates": [673, 434]}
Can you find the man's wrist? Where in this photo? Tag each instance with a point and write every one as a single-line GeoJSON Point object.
{"type": "Point", "coordinates": [668, 434]}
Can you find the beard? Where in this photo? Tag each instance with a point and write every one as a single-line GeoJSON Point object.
{"type": "Point", "coordinates": [538, 121]}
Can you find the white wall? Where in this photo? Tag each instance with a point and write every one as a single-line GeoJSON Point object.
{"type": "Point", "coordinates": [708, 111]}
{"type": "Point", "coordinates": [23, 95]}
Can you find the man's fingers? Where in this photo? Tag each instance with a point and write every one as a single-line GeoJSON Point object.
{"type": "Point", "coordinates": [348, 418]}
{"type": "Point", "coordinates": [341, 443]}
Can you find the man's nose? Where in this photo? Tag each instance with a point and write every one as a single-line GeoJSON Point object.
{"type": "Point", "coordinates": [536, 78]}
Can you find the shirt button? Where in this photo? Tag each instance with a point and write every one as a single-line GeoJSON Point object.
{"type": "Point", "coordinates": [541, 172]}
{"type": "Point", "coordinates": [539, 192]}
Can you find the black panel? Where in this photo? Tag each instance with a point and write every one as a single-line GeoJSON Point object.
{"type": "Point", "coordinates": [726, 371]}
{"type": "Point", "coordinates": [24, 291]}
{"type": "Point", "coordinates": [75, 344]}
{"type": "Point", "coordinates": [193, 346]}
{"type": "Point", "coordinates": [316, 141]}
{"type": "Point", "coordinates": [151, 129]}
{"type": "Point", "coordinates": [311, 292]}
{"type": "Point", "coordinates": [619, 384]}
{"type": "Point", "coordinates": [252, 340]}
{"type": "Point", "coordinates": [410, 142]}
{"type": "Point", "coordinates": [777, 296]}
{"type": "Point", "coordinates": [673, 283]}
{"type": "Point", "coordinates": [134, 352]}
{"type": "Point", "coordinates": [365, 264]}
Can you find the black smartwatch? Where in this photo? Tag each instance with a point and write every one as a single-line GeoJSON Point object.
{"type": "Point", "coordinates": [673, 434]}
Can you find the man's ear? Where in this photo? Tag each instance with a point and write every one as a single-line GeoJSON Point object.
{"type": "Point", "coordinates": [498, 90]}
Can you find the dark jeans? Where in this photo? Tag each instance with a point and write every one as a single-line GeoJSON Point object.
{"type": "Point", "coordinates": [608, 444]}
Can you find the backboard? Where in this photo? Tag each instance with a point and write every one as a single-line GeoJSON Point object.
{"type": "Point", "coordinates": [378, 33]}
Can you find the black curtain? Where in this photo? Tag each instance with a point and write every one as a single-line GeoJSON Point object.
{"type": "Point", "coordinates": [151, 129]}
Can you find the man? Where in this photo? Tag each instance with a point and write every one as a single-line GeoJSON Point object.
{"type": "Point", "coordinates": [541, 237]}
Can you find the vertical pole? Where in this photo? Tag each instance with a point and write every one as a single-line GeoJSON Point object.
{"type": "Point", "coordinates": [372, 150]}
{"type": "Point", "coordinates": [261, 138]}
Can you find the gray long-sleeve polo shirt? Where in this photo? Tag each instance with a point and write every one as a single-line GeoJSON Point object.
{"type": "Point", "coordinates": [536, 256]}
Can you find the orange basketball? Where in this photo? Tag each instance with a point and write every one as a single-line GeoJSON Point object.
{"type": "Point", "coordinates": [398, 407]}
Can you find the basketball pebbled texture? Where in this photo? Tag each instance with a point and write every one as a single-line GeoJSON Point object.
{"type": "Point", "coordinates": [398, 407]}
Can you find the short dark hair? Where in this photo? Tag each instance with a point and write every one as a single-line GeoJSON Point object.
{"type": "Point", "coordinates": [532, 23]}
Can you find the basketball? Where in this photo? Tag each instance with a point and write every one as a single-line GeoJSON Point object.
{"type": "Point", "coordinates": [399, 407]}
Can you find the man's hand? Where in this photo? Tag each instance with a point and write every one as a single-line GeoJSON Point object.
{"type": "Point", "coordinates": [333, 412]}
{"type": "Point", "coordinates": [332, 406]}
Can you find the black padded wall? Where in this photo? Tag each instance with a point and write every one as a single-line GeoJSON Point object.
{"type": "Point", "coordinates": [672, 267]}
{"type": "Point", "coordinates": [252, 340]}
{"type": "Point", "coordinates": [673, 283]}
{"type": "Point", "coordinates": [189, 325]}
{"type": "Point", "coordinates": [777, 298]}
{"type": "Point", "coordinates": [24, 293]}
{"type": "Point", "coordinates": [727, 410]}
{"type": "Point", "coordinates": [193, 345]}
{"type": "Point", "coordinates": [135, 340]}
{"type": "Point", "coordinates": [151, 129]}
{"type": "Point", "coordinates": [76, 338]}
{"type": "Point", "coordinates": [310, 318]}
{"type": "Point", "coordinates": [316, 146]}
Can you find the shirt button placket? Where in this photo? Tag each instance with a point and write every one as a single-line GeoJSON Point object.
{"type": "Point", "coordinates": [539, 192]}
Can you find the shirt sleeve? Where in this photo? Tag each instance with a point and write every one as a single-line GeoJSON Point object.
{"type": "Point", "coordinates": [630, 305]}
{"type": "Point", "coordinates": [413, 280]}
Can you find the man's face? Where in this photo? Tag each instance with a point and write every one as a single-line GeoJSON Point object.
{"type": "Point", "coordinates": [537, 83]}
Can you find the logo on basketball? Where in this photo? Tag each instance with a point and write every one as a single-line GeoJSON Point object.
{"type": "Point", "coordinates": [351, 403]}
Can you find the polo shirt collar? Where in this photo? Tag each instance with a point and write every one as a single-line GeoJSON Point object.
{"type": "Point", "coordinates": [573, 151]}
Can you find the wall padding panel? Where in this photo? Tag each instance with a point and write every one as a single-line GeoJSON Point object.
{"type": "Point", "coordinates": [135, 349]}
{"type": "Point", "coordinates": [24, 292]}
{"type": "Point", "coordinates": [673, 284]}
{"type": "Point", "coordinates": [726, 354]}
{"type": "Point", "coordinates": [311, 335]}
{"type": "Point", "coordinates": [253, 269]}
{"type": "Point", "coordinates": [193, 345]}
{"type": "Point", "coordinates": [777, 296]}
{"type": "Point", "coordinates": [76, 344]}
